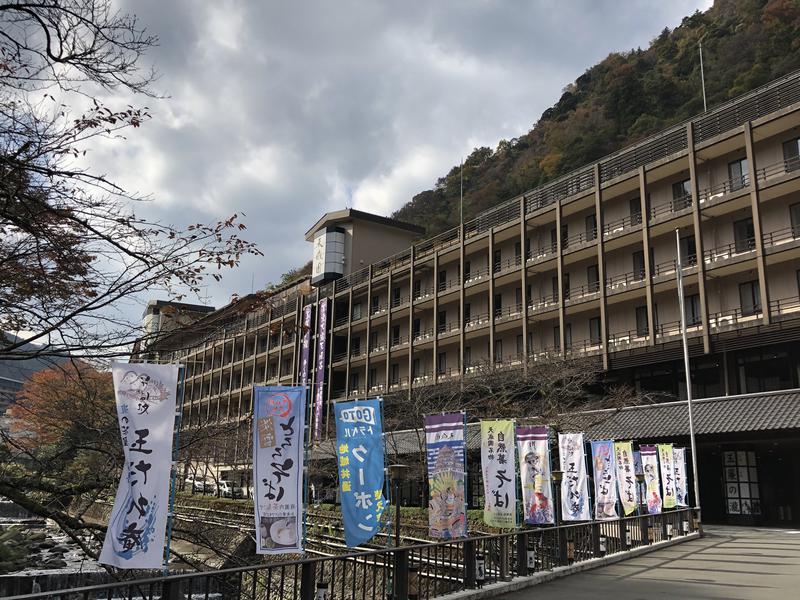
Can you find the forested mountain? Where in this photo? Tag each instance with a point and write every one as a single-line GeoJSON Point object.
{"type": "Point", "coordinates": [622, 99]}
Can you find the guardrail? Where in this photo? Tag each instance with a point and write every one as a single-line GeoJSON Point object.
{"type": "Point", "coordinates": [422, 571]}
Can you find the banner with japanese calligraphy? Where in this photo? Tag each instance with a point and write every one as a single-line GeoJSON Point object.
{"type": "Point", "coordinates": [574, 483]}
{"type": "Point", "coordinates": [499, 468]}
{"type": "Point", "coordinates": [319, 376]}
{"type": "Point", "coordinates": [305, 346]}
{"type": "Point", "coordinates": [626, 477]}
{"type": "Point", "coordinates": [651, 479]}
{"type": "Point", "coordinates": [534, 471]}
{"type": "Point", "coordinates": [444, 447]}
{"type": "Point", "coordinates": [667, 464]}
{"type": "Point", "coordinates": [605, 480]}
{"type": "Point", "coordinates": [278, 426]}
{"type": "Point", "coordinates": [681, 482]}
{"type": "Point", "coordinates": [145, 398]}
{"type": "Point", "coordinates": [359, 449]}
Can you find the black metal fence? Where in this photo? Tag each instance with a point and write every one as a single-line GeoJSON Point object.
{"type": "Point", "coordinates": [418, 572]}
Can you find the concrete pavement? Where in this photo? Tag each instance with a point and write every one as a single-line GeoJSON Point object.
{"type": "Point", "coordinates": [729, 562]}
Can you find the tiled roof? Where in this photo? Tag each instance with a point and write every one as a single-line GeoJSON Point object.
{"type": "Point", "coordinates": [768, 411]}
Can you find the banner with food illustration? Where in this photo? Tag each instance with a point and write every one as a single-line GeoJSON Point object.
{"type": "Point", "coordinates": [278, 426]}
{"type": "Point", "coordinates": [444, 446]}
{"type": "Point", "coordinates": [534, 471]}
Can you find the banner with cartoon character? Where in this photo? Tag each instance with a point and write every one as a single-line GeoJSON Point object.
{"type": "Point", "coordinates": [652, 485]}
{"type": "Point", "coordinates": [666, 461]}
{"type": "Point", "coordinates": [444, 447]}
{"type": "Point", "coordinates": [145, 398]}
{"type": "Point", "coordinates": [278, 425]}
{"type": "Point", "coordinates": [534, 471]}
{"type": "Point", "coordinates": [499, 473]}
{"type": "Point", "coordinates": [626, 477]}
{"type": "Point", "coordinates": [605, 480]}
{"type": "Point", "coordinates": [574, 484]}
{"type": "Point", "coordinates": [681, 488]}
{"type": "Point", "coordinates": [359, 450]}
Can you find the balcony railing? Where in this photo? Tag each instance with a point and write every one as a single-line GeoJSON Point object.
{"type": "Point", "coordinates": [477, 321]}
{"type": "Point", "coordinates": [423, 293]}
{"type": "Point", "coordinates": [507, 264]}
{"type": "Point", "coordinates": [615, 282]}
{"type": "Point", "coordinates": [715, 193]}
{"type": "Point", "coordinates": [446, 328]}
{"type": "Point", "coordinates": [578, 240]}
{"type": "Point", "coordinates": [508, 312]}
{"type": "Point", "coordinates": [340, 321]}
{"type": "Point", "coordinates": [398, 383]}
{"type": "Point", "coordinates": [379, 347]}
{"type": "Point", "coordinates": [543, 303]}
{"type": "Point", "coordinates": [628, 339]}
{"type": "Point", "coordinates": [541, 253]}
{"type": "Point", "coordinates": [728, 251]}
{"type": "Point", "coordinates": [671, 208]}
{"type": "Point", "coordinates": [399, 301]}
{"type": "Point", "coordinates": [474, 275]}
{"type": "Point", "coordinates": [398, 341]}
{"type": "Point", "coordinates": [728, 319]}
{"type": "Point", "coordinates": [378, 309]}
{"type": "Point", "coordinates": [447, 285]}
{"type": "Point", "coordinates": [784, 308]}
{"type": "Point", "coordinates": [423, 334]}
{"type": "Point", "coordinates": [582, 291]}
{"type": "Point", "coordinates": [790, 165]}
{"type": "Point", "coordinates": [618, 226]}
{"type": "Point", "coordinates": [671, 266]}
{"type": "Point", "coordinates": [781, 236]}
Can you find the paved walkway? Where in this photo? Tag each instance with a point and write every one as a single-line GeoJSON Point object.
{"type": "Point", "coordinates": [729, 562]}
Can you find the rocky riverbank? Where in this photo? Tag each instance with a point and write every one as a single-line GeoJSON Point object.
{"type": "Point", "coordinates": [35, 548]}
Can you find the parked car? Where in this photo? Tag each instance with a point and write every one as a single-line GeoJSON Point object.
{"type": "Point", "coordinates": [199, 486]}
{"type": "Point", "coordinates": [228, 489]}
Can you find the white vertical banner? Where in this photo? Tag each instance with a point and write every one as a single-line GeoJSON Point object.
{"type": "Point", "coordinates": [651, 479]}
{"type": "Point", "coordinates": [145, 397]}
{"type": "Point", "coordinates": [605, 480]}
{"type": "Point", "coordinates": [665, 459]}
{"type": "Point", "coordinates": [681, 489]}
{"type": "Point", "coordinates": [278, 459]}
{"type": "Point", "coordinates": [498, 461]}
{"type": "Point", "coordinates": [574, 484]}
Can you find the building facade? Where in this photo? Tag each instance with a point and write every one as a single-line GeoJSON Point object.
{"type": "Point", "coordinates": [583, 266]}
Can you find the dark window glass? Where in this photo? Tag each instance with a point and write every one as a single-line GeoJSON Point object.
{"type": "Point", "coordinates": [441, 363]}
{"type": "Point", "coordinates": [415, 327]}
{"type": "Point", "coordinates": [737, 173]}
{"type": "Point", "coordinates": [688, 250]}
{"type": "Point", "coordinates": [591, 226]}
{"type": "Point", "coordinates": [442, 277]}
{"type": "Point", "coordinates": [372, 378]}
{"type": "Point", "coordinates": [791, 154]}
{"type": "Point", "coordinates": [641, 321]}
{"type": "Point", "coordinates": [496, 258]}
{"type": "Point", "coordinates": [517, 250]}
{"type": "Point", "coordinates": [520, 347]}
{"type": "Point", "coordinates": [794, 217]}
{"type": "Point", "coordinates": [553, 239]}
{"type": "Point", "coordinates": [568, 336]}
{"type": "Point", "coordinates": [396, 334]}
{"type": "Point", "coordinates": [467, 356]}
{"type": "Point", "coordinates": [744, 235]}
{"type": "Point", "coordinates": [467, 312]}
{"type": "Point", "coordinates": [750, 297]}
{"type": "Point", "coordinates": [681, 194]}
{"type": "Point", "coordinates": [417, 289]}
{"type": "Point", "coordinates": [518, 296]}
{"type": "Point", "coordinates": [636, 211]}
{"type": "Point", "coordinates": [594, 330]}
{"type": "Point", "coordinates": [593, 278]}
{"type": "Point", "coordinates": [638, 265]}
{"type": "Point", "coordinates": [557, 337]}
{"type": "Point", "coordinates": [691, 308]}
{"type": "Point", "coordinates": [356, 311]}
{"type": "Point", "coordinates": [564, 236]}
{"type": "Point", "coordinates": [566, 285]}
{"type": "Point", "coordinates": [555, 288]}
{"type": "Point", "coordinates": [415, 370]}
{"type": "Point", "coordinates": [395, 373]}
{"type": "Point", "coordinates": [498, 351]}
{"type": "Point", "coordinates": [467, 270]}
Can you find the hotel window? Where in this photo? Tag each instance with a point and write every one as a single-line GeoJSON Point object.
{"type": "Point", "coordinates": [681, 194]}
{"type": "Point", "coordinates": [568, 336]}
{"type": "Point", "coordinates": [791, 155]}
{"type": "Point", "coordinates": [415, 368]}
{"type": "Point", "coordinates": [394, 374]}
{"type": "Point", "coordinates": [354, 381]}
{"type": "Point", "coordinates": [636, 211]}
{"type": "Point", "coordinates": [744, 235]}
{"type": "Point", "coordinates": [591, 227]}
{"type": "Point", "coordinates": [737, 174]}
{"type": "Point", "coordinates": [372, 378]}
{"type": "Point", "coordinates": [520, 347]}
{"type": "Point", "coordinates": [467, 270]}
{"type": "Point", "coordinates": [467, 313]}
{"type": "Point", "coordinates": [594, 330]}
{"type": "Point", "coordinates": [518, 251]}
{"type": "Point", "coordinates": [688, 250]}
{"type": "Point", "coordinates": [794, 218]}
{"type": "Point", "coordinates": [467, 356]}
{"type": "Point", "coordinates": [373, 340]}
{"type": "Point", "coordinates": [638, 265]}
{"type": "Point", "coordinates": [642, 328]}
{"type": "Point", "coordinates": [415, 327]}
{"type": "Point", "coordinates": [496, 258]}
{"type": "Point", "coordinates": [565, 277]}
{"type": "Point", "coordinates": [417, 289]}
{"type": "Point", "coordinates": [356, 311]}
{"type": "Point", "coordinates": [498, 351]}
{"type": "Point", "coordinates": [750, 297]}
{"type": "Point", "coordinates": [442, 279]}
{"type": "Point", "coordinates": [593, 278]}
{"type": "Point", "coordinates": [691, 309]}
{"type": "Point", "coordinates": [441, 363]}
{"type": "Point", "coordinates": [564, 236]}
{"type": "Point", "coordinates": [376, 303]}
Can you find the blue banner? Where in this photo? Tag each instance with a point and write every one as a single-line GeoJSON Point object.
{"type": "Point", "coordinates": [359, 449]}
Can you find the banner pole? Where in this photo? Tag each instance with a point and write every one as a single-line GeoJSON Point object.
{"type": "Point", "coordinates": [174, 470]}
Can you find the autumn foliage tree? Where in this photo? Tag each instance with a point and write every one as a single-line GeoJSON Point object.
{"type": "Point", "coordinates": [73, 249]}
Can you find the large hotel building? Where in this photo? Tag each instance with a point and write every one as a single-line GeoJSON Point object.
{"type": "Point", "coordinates": [582, 266]}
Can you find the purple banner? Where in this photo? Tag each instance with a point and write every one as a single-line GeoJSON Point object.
{"type": "Point", "coordinates": [322, 338]}
{"type": "Point", "coordinates": [444, 445]}
{"type": "Point", "coordinates": [305, 345]}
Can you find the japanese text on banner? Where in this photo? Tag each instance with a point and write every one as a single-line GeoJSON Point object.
{"type": "Point", "coordinates": [681, 483]}
{"type": "Point", "coordinates": [626, 477]}
{"type": "Point", "coordinates": [574, 485]}
{"type": "Point", "coordinates": [498, 463]}
{"type": "Point", "coordinates": [444, 445]}
{"type": "Point", "coordinates": [360, 456]}
{"type": "Point", "coordinates": [667, 474]}
{"type": "Point", "coordinates": [651, 479]}
{"type": "Point", "coordinates": [605, 480]}
{"type": "Point", "coordinates": [145, 397]}
{"type": "Point", "coordinates": [278, 425]}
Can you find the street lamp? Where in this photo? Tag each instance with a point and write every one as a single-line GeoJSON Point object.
{"type": "Point", "coordinates": [397, 474]}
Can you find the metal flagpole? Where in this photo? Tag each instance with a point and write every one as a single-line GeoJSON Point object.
{"type": "Point", "coordinates": [681, 307]}
{"type": "Point", "coordinates": [702, 76]}
{"type": "Point", "coordinates": [174, 472]}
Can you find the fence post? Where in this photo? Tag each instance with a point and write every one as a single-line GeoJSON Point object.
{"type": "Point", "coordinates": [469, 565]}
{"type": "Point", "coordinates": [171, 589]}
{"type": "Point", "coordinates": [596, 549]}
{"type": "Point", "coordinates": [504, 558]}
{"type": "Point", "coordinates": [522, 554]}
{"type": "Point", "coordinates": [400, 576]}
{"type": "Point", "coordinates": [643, 529]}
{"type": "Point", "coordinates": [307, 581]}
{"type": "Point", "coordinates": [562, 546]}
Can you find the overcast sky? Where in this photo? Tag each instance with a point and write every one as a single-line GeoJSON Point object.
{"type": "Point", "coordinates": [285, 110]}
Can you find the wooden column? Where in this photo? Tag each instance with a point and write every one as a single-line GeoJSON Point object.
{"type": "Point", "coordinates": [491, 296]}
{"type": "Point", "coordinates": [648, 268]}
{"type": "Point", "coordinates": [560, 271]}
{"type": "Point", "coordinates": [698, 237]}
{"type": "Point", "coordinates": [601, 265]}
{"type": "Point", "coordinates": [523, 277]}
{"type": "Point", "coordinates": [755, 205]}
{"type": "Point", "coordinates": [435, 317]}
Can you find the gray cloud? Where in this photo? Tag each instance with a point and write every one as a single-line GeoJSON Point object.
{"type": "Point", "coordinates": [285, 110]}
